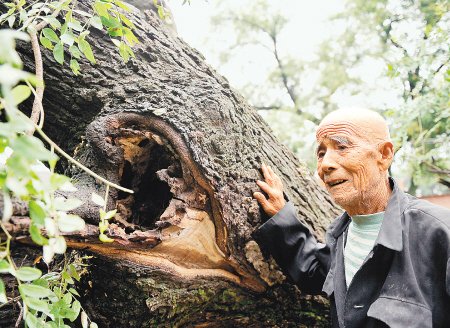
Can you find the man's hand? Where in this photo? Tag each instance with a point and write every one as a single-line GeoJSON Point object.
{"type": "Point", "coordinates": [273, 187]}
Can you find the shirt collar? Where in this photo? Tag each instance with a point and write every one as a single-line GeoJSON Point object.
{"type": "Point", "coordinates": [391, 230]}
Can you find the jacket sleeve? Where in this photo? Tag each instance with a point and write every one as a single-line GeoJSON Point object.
{"type": "Point", "coordinates": [296, 250]}
{"type": "Point", "coordinates": [447, 278]}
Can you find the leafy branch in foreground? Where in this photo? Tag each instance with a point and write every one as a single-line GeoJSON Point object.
{"type": "Point", "coordinates": [27, 168]}
{"type": "Point", "coordinates": [23, 174]}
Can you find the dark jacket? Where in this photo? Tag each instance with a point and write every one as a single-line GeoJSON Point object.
{"type": "Point", "coordinates": [404, 281]}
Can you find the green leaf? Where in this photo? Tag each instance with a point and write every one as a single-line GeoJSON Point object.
{"type": "Point", "coordinates": [97, 199]}
{"type": "Point", "coordinates": [68, 38]}
{"type": "Point", "coordinates": [104, 238]}
{"type": "Point", "coordinates": [108, 215]}
{"type": "Point", "coordinates": [67, 298]}
{"type": "Point", "coordinates": [127, 22]}
{"type": "Point", "coordinates": [69, 204]}
{"type": "Point", "coordinates": [115, 31]}
{"type": "Point", "coordinates": [3, 298]}
{"type": "Point", "coordinates": [46, 42]}
{"type": "Point", "coordinates": [64, 28]}
{"type": "Point", "coordinates": [93, 325]}
{"type": "Point", "coordinates": [76, 307]}
{"type": "Point", "coordinates": [70, 222]}
{"type": "Point", "coordinates": [84, 34]}
{"type": "Point", "coordinates": [50, 34]}
{"type": "Point", "coordinates": [60, 245]}
{"type": "Point", "coordinates": [74, 292]}
{"type": "Point", "coordinates": [84, 320]}
{"type": "Point", "coordinates": [35, 291]}
{"type": "Point", "coordinates": [96, 22]}
{"type": "Point", "coordinates": [74, 24]}
{"type": "Point", "coordinates": [20, 93]}
{"type": "Point", "coordinates": [36, 235]}
{"type": "Point", "coordinates": [111, 22]}
{"type": "Point", "coordinates": [37, 304]}
{"type": "Point", "coordinates": [129, 35]}
{"type": "Point", "coordinates": [74, 66]}
{"type": "Point", "coordinates": [33, 322]}
{"type": "Point", "coordinates": [31, 148]}
{"type": "Point", "coordinates": [85, 48]}
{"type": "Point", "coordinates": [74, 273]}
{"type": "Point", "coordinates": [5, 267]}
{"type": "Point", "coordinates": [11, 20]}
{"type": "Point", "coordinates": [161, 12]}
{"type": "Point", "coordinates": [23, 15]}
{"type": "Point", "coordinates": [7, 203]}
{"type": "Point", "coordinates": [102, 8]}
{"type": "Point", "coordinates": [28, 273]}
{"type": "Point", "coordinates": [75, 52]}
{"type": "Point", "coordinates": [58, 180]}
{"type": "Point", "coordinates": [54, 23]}
{"type": "Point", "coordinates": [125, 51]}
{"type": "Point", "coordinates": [122, 5]}
{"type": "Point", "coordinates": [37, 213]}
{"type": "Point", "coordinates": [58, 53]}
{"type": "Point", "coordinates": [4, 142]}
{"type": "Point", "coordinates": [10, 75]}
{"type": "Point", "coordinates": [102, 226]}
{"type": "Point", "coordinates": [42, 281]}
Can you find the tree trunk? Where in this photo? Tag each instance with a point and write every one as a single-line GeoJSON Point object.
{"type": "Point", "coordinates": [169, 127]}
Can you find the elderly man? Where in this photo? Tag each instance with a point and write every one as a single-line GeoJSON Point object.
{"type": "Point", "coordinates": [386, 261]}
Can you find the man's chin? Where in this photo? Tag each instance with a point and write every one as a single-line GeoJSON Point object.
{"type": "Point", "coordinates": [342, 199]}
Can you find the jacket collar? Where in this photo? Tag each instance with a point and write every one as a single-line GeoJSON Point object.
{"type": "Point", "coordinates": [391, 230]}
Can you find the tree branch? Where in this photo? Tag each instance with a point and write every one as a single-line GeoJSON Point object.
{"type": "Point", "coordinates": [272, 107]}
{"type": "Point", "coordinates": [283, 74]}
{"type": "Point", "coordinates": [37, 104]}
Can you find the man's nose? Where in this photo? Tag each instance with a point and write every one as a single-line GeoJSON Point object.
{"type": "Point", "coordinates": [328, 162]}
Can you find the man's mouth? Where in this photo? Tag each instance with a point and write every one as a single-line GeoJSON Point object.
{"type": "Point", "coordinates": [335, 182]}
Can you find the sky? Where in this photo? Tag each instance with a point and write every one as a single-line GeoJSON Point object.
{"type": "Point", "coordinates": [309, 25]}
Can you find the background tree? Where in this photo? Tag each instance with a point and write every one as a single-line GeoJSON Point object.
{"type": "Point", "coordinates": [406, 41]}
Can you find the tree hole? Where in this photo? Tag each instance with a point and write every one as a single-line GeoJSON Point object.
{"type": "Point", "coordinates": [144, 157]}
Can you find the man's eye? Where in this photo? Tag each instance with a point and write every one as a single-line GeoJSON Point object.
{"type": "Point", "coordinates": [320, 154]}
{"type": "Point", "coordinates": [342, 147]}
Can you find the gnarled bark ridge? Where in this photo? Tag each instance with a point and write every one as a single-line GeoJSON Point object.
{"type": "Point", "coordinates": [169, 127]}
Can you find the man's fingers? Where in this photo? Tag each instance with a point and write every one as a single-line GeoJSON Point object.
{"type": "Point", "coordinates": [265, 172]}
{"type": "Point", "coordinates": [261, 199]}
{"type": "Point", "coordinates": [265, 187]}
{"type": "Point", "coordinates": [275, 178]}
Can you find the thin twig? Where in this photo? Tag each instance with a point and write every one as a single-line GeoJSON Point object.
{"type": "Point", "coordinates": [19, 319]}
{"type": "Point", "coordinates": [37, 104]}
{"type": "Point", "coordinates": [11, 300]}
{"type": "Point", "coordinates": [38, 109]}
{"type": "Point", "coordinates": [42, 113]}
{"type": "Point", "coordinates": [81, 166]}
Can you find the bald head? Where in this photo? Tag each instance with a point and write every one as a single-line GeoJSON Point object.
{"type": "Point", "coordinates": [364, 123]}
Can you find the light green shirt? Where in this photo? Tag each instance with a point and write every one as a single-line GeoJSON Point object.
{"type": "Point", "coordinates": [362, 233]}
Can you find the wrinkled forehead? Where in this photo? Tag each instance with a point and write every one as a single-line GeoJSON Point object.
{"type": "Point", "coordinates": [341, 131]}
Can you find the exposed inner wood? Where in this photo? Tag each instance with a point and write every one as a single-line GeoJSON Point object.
{"type": "Point", "coordinates": [169, 210]}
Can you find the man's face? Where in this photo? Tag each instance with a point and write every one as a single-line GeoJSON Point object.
{"type": "Point", "coordinates": [347, 164]}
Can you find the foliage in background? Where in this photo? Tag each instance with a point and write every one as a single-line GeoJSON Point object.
{"type": "Point", "coordinates": [409, 39]}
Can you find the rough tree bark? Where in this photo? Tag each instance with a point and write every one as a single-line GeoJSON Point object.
{"type": "Point", "coordinates": [169, 127]}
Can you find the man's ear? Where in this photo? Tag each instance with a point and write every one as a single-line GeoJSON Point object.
{"type": "Point", "coordinates": [386, 150]}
